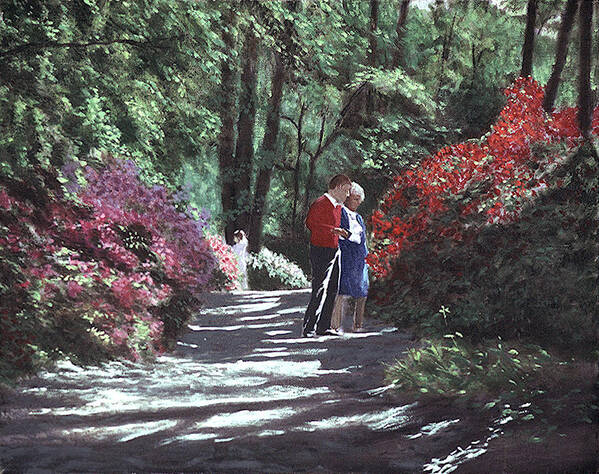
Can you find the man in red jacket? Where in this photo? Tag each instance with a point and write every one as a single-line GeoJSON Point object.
{"type": "Point", "coordinates": [323, 220]}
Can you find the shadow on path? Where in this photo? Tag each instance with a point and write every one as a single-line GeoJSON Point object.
{"type": "Point", "coordinates": [241, 393]}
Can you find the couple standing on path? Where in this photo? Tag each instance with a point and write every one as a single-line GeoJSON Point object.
{"type": "Point", "coordinates": [337, 253]}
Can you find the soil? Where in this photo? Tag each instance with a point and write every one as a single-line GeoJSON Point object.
{"type": "Point", "coordinates": [244, 393]}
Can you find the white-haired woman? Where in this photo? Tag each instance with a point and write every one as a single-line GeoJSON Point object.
{"type": "Point", "coordinates": [353, 284]}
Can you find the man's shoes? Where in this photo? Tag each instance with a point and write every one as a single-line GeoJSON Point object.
{"type": "Point", "coordinates": [308, 334]}
{"type": "Point", "coordinates": [328, 332]}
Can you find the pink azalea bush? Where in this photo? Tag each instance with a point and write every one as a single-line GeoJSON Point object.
{"type": "Point", "coordinates": [114, 273]}
{"type": "Point", "coordinates": [226, 275]}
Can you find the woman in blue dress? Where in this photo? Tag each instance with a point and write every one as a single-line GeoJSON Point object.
{"type": "Point", "coordinates": [353, 284]}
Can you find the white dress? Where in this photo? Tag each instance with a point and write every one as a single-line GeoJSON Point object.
{"type": "Point", "coordinates": [240, 249]}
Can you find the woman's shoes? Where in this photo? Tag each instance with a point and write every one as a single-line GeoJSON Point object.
{"type": "Point", "coordinates": [328, 332]}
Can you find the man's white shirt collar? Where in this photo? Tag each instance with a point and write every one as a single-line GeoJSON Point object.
{"type": "Point", "coordinates": [332, 199]}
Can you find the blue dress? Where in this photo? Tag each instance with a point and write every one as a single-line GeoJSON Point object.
{"type": "Point", "coordinates": [354, 271]}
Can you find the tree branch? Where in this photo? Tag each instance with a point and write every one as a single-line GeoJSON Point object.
{"type": "Point", "coordinates": [55, 44]}
{"type": "Point", "coordinates": [290, 120]}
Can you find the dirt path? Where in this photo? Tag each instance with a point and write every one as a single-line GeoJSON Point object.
{"type": "Point", "coordinates": [241, 393]}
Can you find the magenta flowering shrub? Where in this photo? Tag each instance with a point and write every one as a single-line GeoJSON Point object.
{"type": "Point", "coordinates": [174, 236]}
{"type": "Point", "coordinates": [116, 274]}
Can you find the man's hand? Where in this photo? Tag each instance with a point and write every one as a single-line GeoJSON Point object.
{"type": "Point", "coordinates": [340, 232]}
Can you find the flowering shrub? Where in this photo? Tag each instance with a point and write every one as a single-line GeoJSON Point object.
{"type": "Point", "coordinates": [115, 273]}
{"type": "Point", "coordinates": [268, 270]}
{"type": "Point", "coordinates": [488, 228]}
{"type": "Point", "coordinates": [492, 178]}
{"type": "Point", "coordinates": [226, 273]}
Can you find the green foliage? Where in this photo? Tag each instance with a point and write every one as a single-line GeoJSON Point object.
{"type": "Point", "coordinates": [120, 77]}
{"type": "Point", "coordinates": [271, 271]}
{"type": "Point", "coordinates": [459, 368]}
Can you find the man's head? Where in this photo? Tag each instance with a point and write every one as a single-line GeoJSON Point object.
{"type": "Point", "coordinates": [339, 186]}
{"type": "Point", "coordinates": [355, 198]}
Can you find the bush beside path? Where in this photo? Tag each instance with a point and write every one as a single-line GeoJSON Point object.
{"type": "Point", "coordinates": [243, 393]}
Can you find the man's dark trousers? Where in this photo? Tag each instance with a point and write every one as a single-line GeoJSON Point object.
{"type": "Point", "coordinates": [325, 263]}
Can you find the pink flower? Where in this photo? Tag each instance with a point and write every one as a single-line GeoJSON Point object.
{"type": "Point", "coordinates": [119, 336]}
{"type": "Point", "coordinates": [74, 289]}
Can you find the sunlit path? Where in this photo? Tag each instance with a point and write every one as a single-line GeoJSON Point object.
{"type": "Point", "coordinates": [242, 392]}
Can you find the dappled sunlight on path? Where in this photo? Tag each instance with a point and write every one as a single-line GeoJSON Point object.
{"type": "Point", "coordinates": [241, 392]}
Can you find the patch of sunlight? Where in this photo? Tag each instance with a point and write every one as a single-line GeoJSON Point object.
{"type": "Point", "coordinates": [190, 437]}
{"type": "Point", "coordinates": [131, 430]}
{"type": "Point", "coordinates": [35, 390]}
{"type": "Point", "coordinates": [276, 293]}
{"type": "Point", "coordinates": [433, 428]}
{"type": "Point", "coordinates": [459, 456]}
{"type": "Point", "coordinates": [223, 440]}
{"type": "Point", "coordinates": [270, 433]}
{"type": "Point", "coordinates": [310, 351]}
{"type": "Point", "coordinates": [150, 402]}
{"type": "Point", "coordinates": [283, 368]}
{"type": "Point", "coordinates": [267, 297]}
{"type": "Point", "coordinates": [245, 418]}
{"type": "Point", "coordinates": [377, 421]}
{"type": "Point", "coordinates": [266, 316]}
{"type": "Point", "coordinates": [333, 371]}
{"type": "Point", "coordinates": [308, 340]}
{"type": "Point", "coordinates": [250, 307]}
{"type": "Point", "coordinates": [194, 327]}
{"type": "Point", "coordinates": [380, 390]}
{"type": "Point", "coordinates": [184, 344]}
{"type": "Point", "coordinates": [271, 354]}
{"type": "Point", "coordinates": [41, 411]}
{"type": "Point", "coordinates": [278, 333]}
{"type": "Point", "coordinates": [68, 365]}
{"type": "Point", "coordinates": [269, 349]}
{"type": "Point", "coordinates": [297, 309]}
{"type": "Point", "coordinates": [359, 335]}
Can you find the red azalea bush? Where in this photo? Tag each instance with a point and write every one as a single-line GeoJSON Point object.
{"type": "Point", "coordinates": [116, 273]}
{"type": "Point", "coordinates": [482, 226]}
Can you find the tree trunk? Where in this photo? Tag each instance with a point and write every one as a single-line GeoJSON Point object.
{"type": "Point", "coordinates": [563, 39]}
{"type": "Point", "coordinates": [226, 138]}
{"type": "Point", "coordinates": [296, 169]}
{"type": "Point", "coordinates": [585, 101]}
{"type": "Point", "coordinates": [372, 62]}
{"type": "Point", "coordinates": [400, 29]}
{"type": "Point", "coordinates": [596, 55]}
{"type": "Point", "coordinates": [273, 121]}
{"type": "Point", "coordinates": [529, 39]}
{"type": "Point", "coordinates": [447, 39]}
{"type": "Point", "coordinates": [244, 152]}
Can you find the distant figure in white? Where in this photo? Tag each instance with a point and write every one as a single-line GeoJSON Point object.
{"type": "Point", "coordinates": [240, 248]}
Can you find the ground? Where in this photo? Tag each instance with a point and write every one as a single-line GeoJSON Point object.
{"type": "Point", "coordinates": [244, 393]}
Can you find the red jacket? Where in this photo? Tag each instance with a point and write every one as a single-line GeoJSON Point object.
{"type": "Point", "coordinates": [321, 218]}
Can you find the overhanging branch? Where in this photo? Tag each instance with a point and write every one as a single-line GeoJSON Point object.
{"type": "Point", "coordinates": [55, 44]}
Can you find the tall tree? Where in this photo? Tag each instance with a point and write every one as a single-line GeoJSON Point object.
{"type": "Point", "coordinates": [585, 98]}
{"type": "Point", "coordinates": [372, 56]}
{"type": "Point", "coordinates": [400, 30]}
{"type": "Point", "coordinates": [563, 37]}
{"type": "Point", "coordinates": [226, 139]}
{"type": "Point", "coordinates": [244, 151]}
{"type": "Point", "coordinates": [447, 40]}
{"type": "Point", "coordinates": [269, 142]}
{"type": "Point", "coordinates": [529, 38]}
{"type": "Point", "coordinates": [585, 110]}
